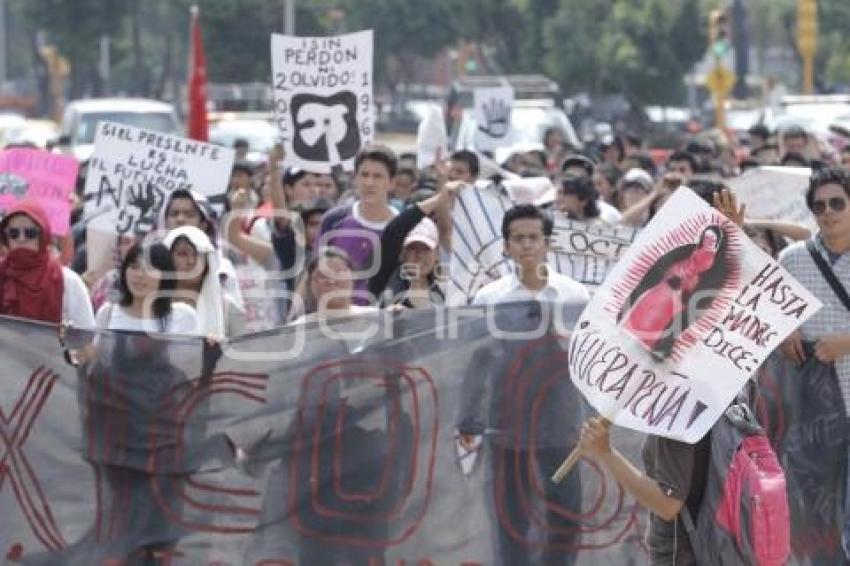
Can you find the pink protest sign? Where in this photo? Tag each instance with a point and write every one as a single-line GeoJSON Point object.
{"type": "Point", "coordinates": [46, 177]}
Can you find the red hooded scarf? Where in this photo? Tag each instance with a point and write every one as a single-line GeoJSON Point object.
{"type": "Point", "coordinates": [31, 283]}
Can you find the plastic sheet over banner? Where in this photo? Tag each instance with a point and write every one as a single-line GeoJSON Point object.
{"type": "Point", "coordinates": [393, 438]}
{"type": "Point", "coordinates": [803, 412]}
{"type": "Point", "coordinates": [341, 445]}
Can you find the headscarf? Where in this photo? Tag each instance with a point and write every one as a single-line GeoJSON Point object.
{"type": "Point", "coordinates": [210, 302]}
{"type": "Point", "coordinates": [31, 283]}
{"type": "Point", "coordinates": [203, 205]}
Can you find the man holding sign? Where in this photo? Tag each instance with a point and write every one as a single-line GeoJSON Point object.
{"type": "Point", "coordinates": [668, 341]}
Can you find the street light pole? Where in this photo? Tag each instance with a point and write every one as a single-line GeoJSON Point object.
{"type": "Point", "coordinates": [741, 38]}
{"type": "Point", "coordinates": [104, 64]}
{"type": "Point", "coordinates": [289, 17]}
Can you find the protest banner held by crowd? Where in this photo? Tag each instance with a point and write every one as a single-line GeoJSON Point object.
{"type": "Point", "coordinates": [501, 344]}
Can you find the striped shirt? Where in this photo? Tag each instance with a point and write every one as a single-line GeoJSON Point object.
{"type": "Point", "coordinates": [833, 318]}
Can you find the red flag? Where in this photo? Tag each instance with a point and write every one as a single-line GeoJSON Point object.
{"type": "Point", "coordinates": [197, 126]}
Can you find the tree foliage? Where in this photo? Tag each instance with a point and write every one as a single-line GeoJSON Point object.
{"type": "Point", "coordinates": [640, 48]}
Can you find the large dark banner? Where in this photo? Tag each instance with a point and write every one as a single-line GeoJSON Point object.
{"type": "Point", "coordinates": [308, 445]}
{"type": "Point", "coordinates": [348, 444]}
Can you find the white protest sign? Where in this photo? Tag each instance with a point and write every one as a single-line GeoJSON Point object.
{"type": "Point", "coordinates": [588, 252]}
{"type": "Point", "coordinates": [775, 193]}
{"type": "Point", "coordinates": [492, 112]}
{"type": "Point", "coordinates": [133, 171]}
{"type": "Point", "coordinates": [432, 142]}
{"type": "Point", "coordinates": [322, 88]}
{"type": "Point", "coordinates": [682, 321]}
{"type": "Point", "coordinates": [584, 252]}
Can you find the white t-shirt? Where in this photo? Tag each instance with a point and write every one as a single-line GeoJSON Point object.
{"type": "Point", "coordinates": [261, 290]}
{"type": "Point", "coordinates": [182, 320]}
{"type": "Point", "coordinates": [76, 304]}
{"type": "Point", "coordinates": [559, 288]}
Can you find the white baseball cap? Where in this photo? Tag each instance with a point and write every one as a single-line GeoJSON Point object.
{"type": "Point", "coordinates": [425, 232]}
{"type": "Point", "coordinates": [637, 176]}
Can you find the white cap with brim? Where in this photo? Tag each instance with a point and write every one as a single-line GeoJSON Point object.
{"type": "Point", "coordinates": [425, 232]}
{"type": "Point", "coordinates": [637, 176]}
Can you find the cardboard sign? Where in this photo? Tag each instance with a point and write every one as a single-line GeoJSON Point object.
{"type": "Point", "coordinates": [46, 177]}
{"type": "Point", "coordinates": [587, 253]}
{"type": "Point", "coordinates": [133, 171]}
{"type": "Point", "coordinates": [775, 193]}
{"type": "Point", "coordinates": [682, 321]}
{"type": "Point", "coordinates": [322, 88]}
{"type": "Point", "coordinates": [584, 252]}
{"type": "Point", "coordinates": [492, 111]}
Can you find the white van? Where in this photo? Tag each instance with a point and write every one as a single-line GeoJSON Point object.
{"type": "Point", "coordinates": [529, 121]}
{"type": "Point", "coordinates": [536, 107]}
{"type": "Point", "coordinates": [79, 122]}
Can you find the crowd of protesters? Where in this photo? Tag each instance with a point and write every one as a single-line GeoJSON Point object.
{"type": "Point", "coordinates": [292, 246]}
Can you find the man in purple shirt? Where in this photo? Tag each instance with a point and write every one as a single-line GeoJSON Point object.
{"type": "Point", "coordinates": [356, 228]}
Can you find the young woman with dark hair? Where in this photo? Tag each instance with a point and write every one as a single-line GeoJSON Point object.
{"type": "Point", "coordinates": [328, 289]}
{"type": "Point", "coordinates": [196, 265]}
{"type": "Point", "coordinates": [576, 197]}
{"type": "Point", "coordinates": [147, 286]}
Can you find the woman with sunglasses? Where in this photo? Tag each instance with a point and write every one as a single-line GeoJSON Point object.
{"type": "Point", "coordinates": [33, 284]}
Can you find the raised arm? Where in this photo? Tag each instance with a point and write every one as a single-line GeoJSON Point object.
{"type": "Point", "coordinates": [276, 192]}
{"type": "Point", "coordinates": [790, 230]}
{"type": "Point", "coordinates": [260, 250]}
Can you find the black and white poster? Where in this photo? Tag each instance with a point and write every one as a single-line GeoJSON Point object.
{"type": "Point", "coordinates": [133, 171]}
{"type": "Point", "coordinates": [492, 111]}
{"type": "Point", "coordinates": [323, 98]}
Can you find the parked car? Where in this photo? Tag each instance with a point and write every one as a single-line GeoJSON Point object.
{"type": "Point", "coordinates": [79, 122]}
{"type": "Point", "coordinates": [529, 121]}
{"type": "Point", "coordinates": [813, 113]}
{"type": "Point", "coordinates": [9, 123]}
{"type": "Point", "coordinates": [256, 128]}
{"type": "Point", "coordinates": [38, 132]}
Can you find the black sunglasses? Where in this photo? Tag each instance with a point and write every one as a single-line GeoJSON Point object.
{"type": "Point", "coordinates": [837, 204]}
{"type": "Point", "coordinates": [28, 233]}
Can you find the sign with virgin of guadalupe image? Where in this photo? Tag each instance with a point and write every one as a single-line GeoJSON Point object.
{"type": "Point", "coordinates": [682, 321]}
{"type": "Point", "coordinates": [322, 88]}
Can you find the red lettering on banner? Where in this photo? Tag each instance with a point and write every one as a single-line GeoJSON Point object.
{"type": "Point", "coordinates": [14, 466]}
{"type": "Point", "coordinates": [411, 388]}
{"type": "Point", "coordinates": [527, 486]}
{"type": "Point", "coordinates": [245, 385]}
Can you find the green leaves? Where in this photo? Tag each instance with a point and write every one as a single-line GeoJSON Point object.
{"type": "Point", "coordinates": [641, 48]}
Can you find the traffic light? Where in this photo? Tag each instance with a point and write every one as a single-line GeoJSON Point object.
{"type": "Point", "coordinates": [807, 26]}
{"type": "Point", "coordinates": [719, 37]}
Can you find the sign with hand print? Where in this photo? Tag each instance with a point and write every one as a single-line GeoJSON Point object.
{"type": "Point", "coordinates": [492, 111]}
{"type": "Point", "coordinates": [133, 171]}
